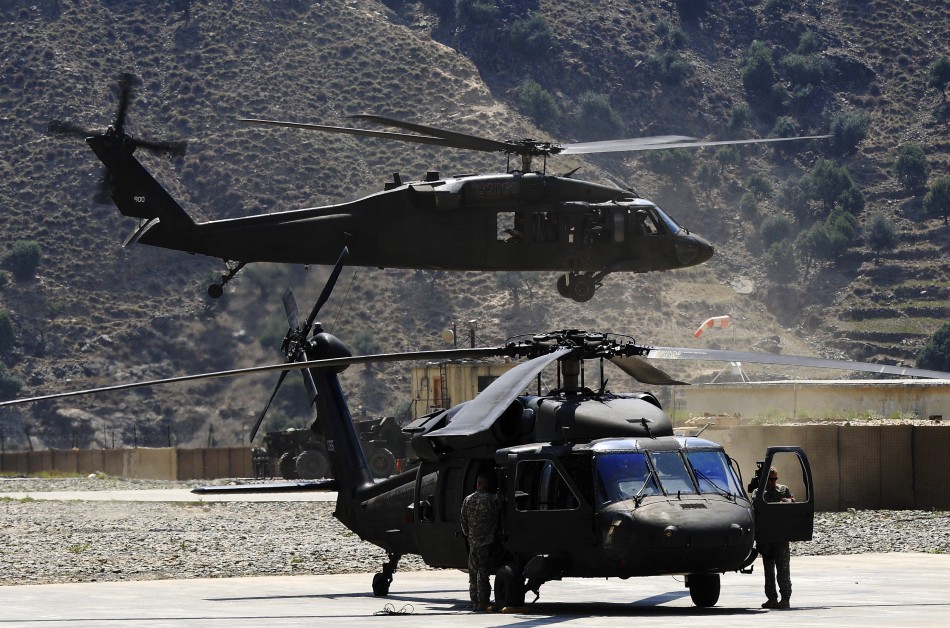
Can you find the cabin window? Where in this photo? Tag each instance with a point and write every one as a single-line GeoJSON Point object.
{"type": "Point", "coordinates": [672, 473]}
{"type": "Point", "coordinates": [623, 476]}
{"type": "Point", "coordinates": [539, 485]}
{"type": "Point", "coordinates": [713, 473]}
{"type": "Point", "coordinates": [545, 225]}
{"type": "Point", "coordinates": [509, 227]}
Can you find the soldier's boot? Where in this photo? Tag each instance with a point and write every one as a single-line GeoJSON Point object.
{"type": "Point", "coordinates": [770, 603]}
{"type": "Point", "coordinates": [783, 603]}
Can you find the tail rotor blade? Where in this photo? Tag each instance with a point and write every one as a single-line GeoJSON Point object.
{"type": "Point", "coordinates": [260, 419]}
{"type": "Point", "coordinates": [290, 308]}
{"type": "Point", "coordinates": [327, 289]}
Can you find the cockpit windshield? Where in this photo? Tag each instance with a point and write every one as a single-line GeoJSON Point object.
{"type": "Point", "coordinates": [671, 224]}
{"type": "Point", "coordinates": [636, 474]}
{"type": "Point", "coordinates": [623, 476]}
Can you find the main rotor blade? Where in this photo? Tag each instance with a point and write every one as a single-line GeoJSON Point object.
{"type": "Point", "coordinates": [125, 92]}
{"type": "Point", "coordinates": [481, 412]}
{"type": "Point", "coordinates": [401, 137]}
{"type": "Point", "coordinates": [724, 355]}
{"type": "Point", "coordinates": [643, 372]}
{"type": "Point", "coordinates": [459, 140]}
{"type": "Point", "coordinates": [446, 354]}
{"type": "Point", "coordinates": [637, 144]}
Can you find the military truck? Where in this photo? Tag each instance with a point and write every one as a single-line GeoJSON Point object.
{"type": "Point", "coordinates": [301, 454]}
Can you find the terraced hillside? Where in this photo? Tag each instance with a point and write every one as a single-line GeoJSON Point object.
{"type": "Point", "coordinates": [97, 313]}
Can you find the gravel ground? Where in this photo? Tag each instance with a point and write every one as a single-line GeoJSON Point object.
{"type": "Point", "coordinates": [85, 541]}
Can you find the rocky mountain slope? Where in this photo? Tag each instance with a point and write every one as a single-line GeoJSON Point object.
{"type": "Point", "coordinates": [97, 313]}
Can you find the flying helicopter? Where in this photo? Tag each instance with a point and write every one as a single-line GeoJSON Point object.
{"type": "Point", "coordinates": [593, 483]}
{"type": "Point", "coordinates": [518, 220]}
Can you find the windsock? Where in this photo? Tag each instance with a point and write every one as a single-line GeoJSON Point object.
{"type": "Point", "coordinates": [715, 321]}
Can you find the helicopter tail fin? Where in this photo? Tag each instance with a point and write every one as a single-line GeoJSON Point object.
{"type": "Point", "coordinates": [136, 193]}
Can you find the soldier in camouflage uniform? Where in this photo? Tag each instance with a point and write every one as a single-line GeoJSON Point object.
{"type": "Point", "coordinates": [776, 556]}
{"type": "Point", "coordinates": [480, 515]}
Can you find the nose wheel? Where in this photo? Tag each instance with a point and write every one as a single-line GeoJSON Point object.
{"type": "Point", "coordinates": [579, 286]}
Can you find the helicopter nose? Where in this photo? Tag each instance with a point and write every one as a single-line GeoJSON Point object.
{"type": "Point", "coordinates": [692, 249]}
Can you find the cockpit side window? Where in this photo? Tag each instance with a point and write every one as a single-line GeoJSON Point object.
{"type": "Point", "coordinates": [539, 485]}
{"type": "Point", "coordinates": [713, 473]}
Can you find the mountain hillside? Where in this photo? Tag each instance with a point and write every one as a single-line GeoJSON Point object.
{"type": "Point", "coordinates": [96, 313]}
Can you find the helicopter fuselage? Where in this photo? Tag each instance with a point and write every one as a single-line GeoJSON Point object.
{"type": "Point", "coordinates": [494, 222]}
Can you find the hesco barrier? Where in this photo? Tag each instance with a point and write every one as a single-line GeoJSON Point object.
{"type": "Point", "coordinates": [878, 467]}
{"type": "Point", "coordinates": [865, 467]}
{"type": "Point", "coordinates": [167, 463]}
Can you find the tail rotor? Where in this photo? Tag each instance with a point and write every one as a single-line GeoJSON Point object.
{"type": "Point", "coordinates": [295, 344]}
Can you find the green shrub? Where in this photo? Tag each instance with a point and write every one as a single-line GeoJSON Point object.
{"type": "Point", "coordinates": [937, 200]}
{"type": "Point", "coordinates": [532, 36]}
{"type": "Point", "coordinates": [757, 70]}
{"type": "Point", "coordinates": [475, 11]}
{"type": "Point", "coordinates": [10, 384]}
{"type": "Point", "coordinates": [938, 75]}
{"type": "Point", "coordinates": [596, 117]}
{"type": "Point", "coordinates": [676, 162]}
{"type": "Point", "coordinates": [881, 234]}
{"type": "Point", "coordinates": [7, 333]}
{"type": "Point", "coordinates": [537, 102]}
{"type": "Point", "coordinates": [774, 229]}
{"type": "Point", "coordinates": [912, 168]}
{"type": "Point", "coordinates": [23, 259]}
{"type": "Point", "coordinates": [936, 353]}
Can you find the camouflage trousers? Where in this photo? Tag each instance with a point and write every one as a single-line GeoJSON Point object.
{"type": "Point", "coordinates": [479, 587]}
{"type": "Point", "coordinates": [776, 558]}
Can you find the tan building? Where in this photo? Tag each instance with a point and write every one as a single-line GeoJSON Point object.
{"type": "Point", "coordinates": [443, 384]}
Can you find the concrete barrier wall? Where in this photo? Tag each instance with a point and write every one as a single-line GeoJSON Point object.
{"type": "Point", "coordinates": [164, 463]}
{"type": "Point", "coordinates": [887, 467]}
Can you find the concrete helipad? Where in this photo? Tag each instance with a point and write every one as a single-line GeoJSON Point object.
{"type": "Point", "coordinates": [860, 590]}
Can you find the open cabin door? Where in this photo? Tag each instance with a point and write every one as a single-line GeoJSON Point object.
{"type": "Point", "coordinates": [785, 521]}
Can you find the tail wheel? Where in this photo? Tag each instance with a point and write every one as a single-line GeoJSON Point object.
{"type": "Point", "coordinates": [312, 464]}
{"type": "Point", "coordinates": [582, 288]}
{"type": "Point", "coordinates": [703, 588]}
{"type": "Point", "coordinates": [509, 586]}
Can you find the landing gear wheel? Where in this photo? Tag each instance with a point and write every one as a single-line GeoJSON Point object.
{"type": "Point", "coordinates": [703, 589]}
{"type": "Point", "coordinates": [562, 287]}
{"type": "Point", "coordinates": [582, 288]}
{"type": "Point", "coordinates": [509, 586]}
{"type": "Point", "coordinates": [287, 466]}
{"type": "Point", "coordinates": [215, 290]}
{"type": "Point", "coordinates": [312, 464]}
{"type": "Point", "coordinates": [381, 584]}
{"type": "Point", "coordinates": [382, 463]}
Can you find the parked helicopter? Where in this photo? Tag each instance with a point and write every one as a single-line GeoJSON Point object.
{"type": "Point", "coordinates": [519, 220]}
{"type": "Point", "coordinates": [593, 483]}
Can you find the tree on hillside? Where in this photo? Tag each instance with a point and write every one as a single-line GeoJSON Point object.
{"type": "Point", "coordinates": [848, 129]}
{"type": "Point", "coordinates": [758, 71]}
{"type": "Point", "coordinates": [881, 235]}
{"type": "Point", "coordinates": [937, 200]}
{"type": "Point", "coordinates": [912, 168]}
{"type": "Point", "coordinates": [812, 244]}
{"type": "Point", "coordinates": [596, 118]}
{"type": "Point", "coordinates": [938, 76]}
{"type": "Point", "coordinates": [936, 353]}
{"type": "Point", "coordinates": [829, 180]}
{"type": "Point", "coordinates": [707, 176]}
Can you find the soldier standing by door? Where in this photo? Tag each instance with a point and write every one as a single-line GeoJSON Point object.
{"type": "Point", "coordinates": [776, 557]}
{"type": "Point", "coordinates": [480, 515]}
